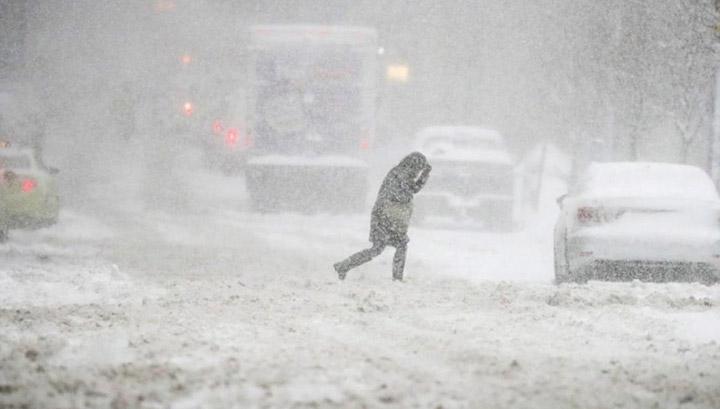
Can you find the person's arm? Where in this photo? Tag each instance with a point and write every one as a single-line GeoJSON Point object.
{"type": "Point", "coordinates": [422, 179]}
{"type": "Point", "coordinates": [397, 188]}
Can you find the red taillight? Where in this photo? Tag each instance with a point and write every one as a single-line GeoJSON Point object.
{"type": "Point", "coordinates": [28, 185]}
{"type": "Point", "coordinates": [598, 214]}
{"type": "Point", "coordinates": [231, 137]}
{"type": "Point", "coordinates": [364, 143]}
{"type": "Point", "coordinates": [588, 215]}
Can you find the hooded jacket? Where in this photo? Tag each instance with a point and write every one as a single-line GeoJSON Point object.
{"type": "Point", "coordinates": [393, 206]}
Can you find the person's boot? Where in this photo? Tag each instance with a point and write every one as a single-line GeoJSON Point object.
{"type": "Point", "coordinates": [398, 267]}
{"type": "Point", "coordinates": [341, 270]}
{"type": "Point", "coordinates": [399, 263]}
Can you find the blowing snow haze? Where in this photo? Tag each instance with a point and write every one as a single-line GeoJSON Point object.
{"type": "Point", "coordinates": [178, 178]}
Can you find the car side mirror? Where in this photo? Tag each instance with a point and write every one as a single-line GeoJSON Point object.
{"type": "Point", "coordinates": [53, 171]}
{"type": "Point", "coordinates": [560, 200]}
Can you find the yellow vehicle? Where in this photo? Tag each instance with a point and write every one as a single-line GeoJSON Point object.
{"type": "Point", "coordinates": [28, 192]}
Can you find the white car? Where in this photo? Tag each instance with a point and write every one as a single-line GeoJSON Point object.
{"type": "Point", "coordinates": [634, 220]}
{"type": "Point", "coordinates": [473, 176]}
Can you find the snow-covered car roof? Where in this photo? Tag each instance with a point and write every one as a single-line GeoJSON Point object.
{"type": "Point", "coordinates": [646, 180]}
{"type": "Point", "coordinates": [463, 144]}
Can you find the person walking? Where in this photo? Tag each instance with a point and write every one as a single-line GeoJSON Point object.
{"type": "Point", "coordinates": [391, 215]}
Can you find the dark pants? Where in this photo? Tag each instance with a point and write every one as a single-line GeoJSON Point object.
{"type": "Point", "coordinates": [362, 257]}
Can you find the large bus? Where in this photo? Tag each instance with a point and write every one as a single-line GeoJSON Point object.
{"type": "Point", "coordinates": [310, 116]}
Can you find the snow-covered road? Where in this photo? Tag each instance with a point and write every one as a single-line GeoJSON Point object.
{"type": "Point", "coordinates": [222, 308]}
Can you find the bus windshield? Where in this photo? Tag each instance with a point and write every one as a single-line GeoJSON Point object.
{"type": "Point", "coordinates": [312, 90]}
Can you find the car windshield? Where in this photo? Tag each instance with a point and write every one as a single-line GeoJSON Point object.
{"type": "Point", "coordinates": [14, 162]}
{"type": "Point", "coordinates": [646, 180]}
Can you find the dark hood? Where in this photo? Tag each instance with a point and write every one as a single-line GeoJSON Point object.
{"type": "Point", "coordinates": [415, 161]}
